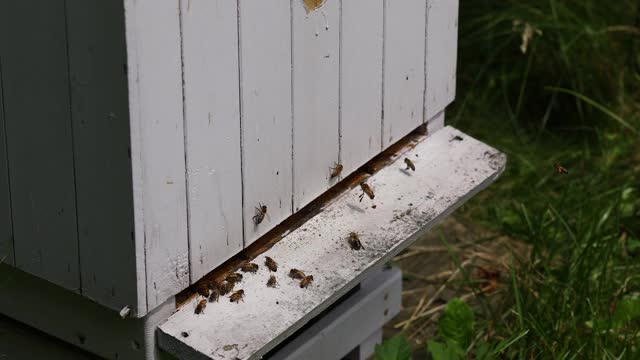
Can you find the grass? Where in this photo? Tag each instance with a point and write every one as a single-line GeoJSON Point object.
{"type": "Point", "coordinates": [557, 82]}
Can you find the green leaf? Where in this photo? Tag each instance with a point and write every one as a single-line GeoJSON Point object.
{"type": "Point", "coordinates": [628, 309]}
{"type": "Point", "coordinates": [395, 348]}
{"type": "Point", "coordinates": [483, 352]}
{"type": "Point", "coordinates": [449, 351]}
{"type": "Point", "coordinates": [457, 323]}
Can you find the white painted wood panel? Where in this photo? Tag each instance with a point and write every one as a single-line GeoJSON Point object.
{"type": "Point", "coordinates": [442, 53]}
{"type": "Point", "coordinates": [436, 123]}
{"type": "Point", "coordinates": [404, 44]}
{"type": "Point", "coordinates": [360, 82]}
{"type": "Point", "coordinates": [157, 146]}
{"type": "Point", "coordinates": [265, 83]}
{"type": "Point", "coordinates": [212, 132]}
{"type": "Point", "coordinates": [6, 224]}
{"type": "Point", "coordinates": [316, 71]}
{"type": "Point", "coordinates": [447, 174]}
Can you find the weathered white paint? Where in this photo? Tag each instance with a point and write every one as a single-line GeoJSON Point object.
{"type": "Point", "coordinates": [316, 70]}
{"type": "Point", "coordinates": [436, 123]}
{"type": "Point", "coordinates": [404, 42]}
{"type": "Point", "coordinates": [442, 52]}
{"type": "Point", "coordinates": [407, 205]}
{"type": "Point", "coordinates": [212, 132]}
{"type": "Point", "coordinates": [157, 147]}
{"type": "Point", "coordinates": [265, 83]}
{"type": "Point", "coordinates": [360, 82]}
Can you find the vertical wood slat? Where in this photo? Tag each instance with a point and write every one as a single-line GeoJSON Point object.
{"type": "Point", "coordinates": [39, 139]}
{"type": "Point", "coordinates": [442, 53]}
{"type": "Point", "coordinates": [360, 82]}
{"type": "Point", "coordinates": [6, 224]}
{"type": "Point", "coordinates": [265, 72]}
{"type": "Point", "coordinates": [100, 115]}
{"type": "Point", "coordinates": [212, 132]}
{"type": "Point", "coordinates": [157, 146]}
{"type": "Point", "coordinates": [404, 45]}
{"type": "Point", "coordinates": [316, 82]}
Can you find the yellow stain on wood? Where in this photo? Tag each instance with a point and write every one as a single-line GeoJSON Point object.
{"type": "Point", "coordinates": [312, 5]}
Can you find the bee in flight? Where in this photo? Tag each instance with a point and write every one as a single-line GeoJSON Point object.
{"type": "Point", "coordinates": [261, 211]}
{"type": "Point", "coordinates": [249, 267]}
{"type": "Point", "coordinates": [237, 296]}
{"type": "Point", "coordinates": [271, 264]}
{"type": "Point", "coordinates": [354, 241]}
{"type": "Point", "coordinates": [560, 169]}
{"type": "Point", "coordinates": [272, 282]}
{"type": "Point", "coordinates": [366, 189]}
{"type": "Point", "coordinates": [200, 307]}
{"type": "Point", "coordinates": [336, 170]}
{"type": "Point", "coordinates": [306, 281]}
{"type": "Point", "coordinates": [410, 164]}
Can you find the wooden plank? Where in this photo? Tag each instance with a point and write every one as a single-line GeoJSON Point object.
{"type": "Point", "coordinates": [404, 44]}
{"type": "Point", "coordinates": [6, 223]}
{"type": "Point", "coordinates": [265, 66]}
{"type": "Point", "coordinates": [435, 123]}
{"type": "Point", "coordinates": [442, 54]}
{"type": "Point", "coordinates": [316, 81]}
{"type": "Point", "coordinates": [212, 132]}
{"type": "Point", "coordinates": [39, 139]}
{"type": "Point", "coordinates": [408, 204]}
{"type": "Point", "coordinates": [157, 147]}
{"type": "Point", "coordinates": [360, 82]}
{"type": "Point", "coordinates": [100, 114]}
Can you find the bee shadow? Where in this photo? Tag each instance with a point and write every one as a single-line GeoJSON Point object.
{"type": "Point", "coordinates": [406, 172]}
{"type": "Point", "coordinates": [355, 208]}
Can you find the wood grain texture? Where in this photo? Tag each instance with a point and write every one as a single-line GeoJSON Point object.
{"type": "Point", "coordinates": [100, 114]}
{"type": "Point", "coordinates": [265, 72]}
{"type": "Point", "coordinates": [408, 205]}
{"type": "Point", "coordinates": [404, 44]}
{"type": "Point", "coordinates": [39, 139]}
{"type": "Point", "coordinates": [442, 53]}
{"type": "Point", "coordinates": [212, 132]}
{"type": "Point", "coordinates": [6, 223]}
{"type": "Point", "coordinates": [157, 147]}
{"type": "Point", "coordinates": [316, 72]}
{"type": "Point", "coordinates": [360, 82]}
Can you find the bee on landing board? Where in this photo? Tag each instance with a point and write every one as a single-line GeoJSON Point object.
{"type": "Point", "coordinates": [306, 281]}
{"type": "Point", "coordinates": [215, 295]}
{"type": "Point", "coordinates": [560, 169]}
{"type": "Point", "coordinates": [226, 288]}
{"type": "Point", "coordinates": [410, 164]}
{"type": "Point", "coordinates": [336, 170]}
{"type": "Point", "coordinates": [203, 289]}
{"type": "Point", "coordinates": [366, 189]}
{"type": "Point", "coordinates": [354, 241]}
{"type": "Point", "coordinates": [261, 211]}
{"type": "Point", "coordinates": [296, 274]}
{"type": "Point", "coordinates": [271, 264]}
{"type": "Point", "coordinates": [237, 296]}
{"type": "Point", "coordinates": [200, 307]}
{"type": "Point", "coordinates": [249, 267]}
{"type": "Point", "coordinates": [234, 278]}
{"type": "Point", "coordinates": [272, 282]}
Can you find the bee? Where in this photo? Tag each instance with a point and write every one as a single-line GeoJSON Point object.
{"type": "Point", "coordinates": [249, 267]}
{"type": "Point", "coordinates": [237, 296]}
{"type": "Point", "coordinates": [366, 189]}
{"type": "Point", "coordinates": [234, 278]}
{"type": "Point", "coordinates": [261, 211]}
{"type": "Point", "coordinates": [296, 274]}
{"type": "Point", "coordinates": [201, 305]}
{"type": "Point", "coordinates": [271, 264]}
{"type": "Point", "coordinates": [226, 288]}
{"type": "Point", "coordinates": [354, 241]}
{"type": "Point", "coordinates": [215, 295]}
{"type": "Point", "coordinates": [410, 164]}
{"type": "Point", "coordinates": [336, 170]}
{"type": "Point", "coordinates": [560, 169]}
{"type": "Point", "coordinates": [272, 282]}
{"type": "Point", "coordinates": [306, 281]}
{"type": "Point", "coordinates": [203, 289]}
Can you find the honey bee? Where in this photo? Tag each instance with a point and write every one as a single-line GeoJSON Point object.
{"type": "Point", "coordinates": [410, 164]}
{"type": "Point", "coordinates": [272, 282]}
{"type": "Point", "coordinates": [336, 170]}
{"type": "Point", "coordinates": [296, 274]}
{"type": "Point", "coordinates": [249, 267]}
{"type": "Point", "coordinates": [261, 211]}
{"type": "Point", "coordinates": [354, 241]}
{"type": "Point", "coordinates": [201, 305]}
{"type": "Point", "coordinates": [215, 295]}
{"type": "Point", "coordinates": [560, 169]}
{"type": "Point", "coordinates": [203, 289]}
{"type": "Point", "coordinates": [366, 189]}
{"type": "Point", "coordinates": [237, 296]}
{"type": "Point", "coordinates": [306, 281]}
{"type": "Point", "coordinates": [226, 288]}
{"type": "Point", "coordinates": [271, 264]}
{"type": "Point", "coordinates": [234, 278]}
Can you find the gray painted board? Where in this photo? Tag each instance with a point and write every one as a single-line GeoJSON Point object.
{"type": "Point", "coordinates": [6, 225]}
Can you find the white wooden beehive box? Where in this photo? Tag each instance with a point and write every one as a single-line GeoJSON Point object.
{"type": "Point", "coordinates": [139, 136]}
